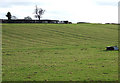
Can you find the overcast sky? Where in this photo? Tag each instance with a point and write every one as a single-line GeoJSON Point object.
{"type": "Point", "coordinates": [94, 11]}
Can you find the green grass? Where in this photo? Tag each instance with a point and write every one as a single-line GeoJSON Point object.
{"type": "Point", "coordinates": [59, 52]}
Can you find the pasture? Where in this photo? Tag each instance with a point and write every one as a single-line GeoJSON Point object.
{"type": "Point", "coordinates": [59, 52]}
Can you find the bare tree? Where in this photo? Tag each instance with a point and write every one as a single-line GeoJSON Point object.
{"type": "Point", "coordinates": [39, 12]}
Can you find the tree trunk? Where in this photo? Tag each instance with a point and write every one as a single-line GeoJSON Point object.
{"type": "Point", "coordinates": [39, 18]}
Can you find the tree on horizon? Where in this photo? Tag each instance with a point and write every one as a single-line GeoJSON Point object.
{"type": "Point", "coordinates": [14, 18]}
{"type": "Point", "coordinates": [28, 18]}
{"type": "Point", "coordinates": [9, 16]}
{"type": "Point", "coordinates": [39, 12]}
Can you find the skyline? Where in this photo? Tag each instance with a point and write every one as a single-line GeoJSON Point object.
{"type": "Point", "coordinates": [93, 11]}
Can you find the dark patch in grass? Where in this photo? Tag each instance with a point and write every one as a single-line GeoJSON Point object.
{"type": "Point", "coordinates": [105, 73]}
{"type": "Point", "coordinates": [104, 59]}
{"type": "Point", "coordinates": [59, 76]}
{"type": "Point", "coordinates": [76, 59]}
{"type": "Point", "coordinates": [93, 47]}
{"type": "Point", "coordinates": [35, 72]}
{"type": "Point", "coordinates": [70, 72]}
{"type": "Point", "coordinates": [83, 48]}
{"type": "Point", "coordinates": [3, 44]}
{"type": "Point", "coordinates": [90, 64]}
{"type": "Point", "coordinates": [80, 63]}
{"type": "Point", "coordinates": [29, 77]}
{"type": "Point", "coordinates": [56, 53]}
{"type": "Point", "coordinates": [45, 80]}
{"type": "Point", "coordinates": [3, 74]}
{"type": "Point", "coordinates": [8, 54]}
{"type": "Point", "coordinates": [3, 52]}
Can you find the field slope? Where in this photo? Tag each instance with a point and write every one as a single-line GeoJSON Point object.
{"type": "Point", "coordinates": [59, 52]}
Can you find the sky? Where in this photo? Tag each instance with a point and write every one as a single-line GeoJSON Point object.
{"type": "Point", "coordinates": [93, 11]}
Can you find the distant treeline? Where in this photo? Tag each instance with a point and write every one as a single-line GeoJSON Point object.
{"type": "Point", "coordinates": [35, 21]}
{"type": "Point", "coordinates": [45, 21]}
{"type": "Point", "coordinates": [111, 23]}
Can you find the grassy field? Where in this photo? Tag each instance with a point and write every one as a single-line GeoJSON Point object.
{"type": "Point", "coordinates": [59, 52]}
